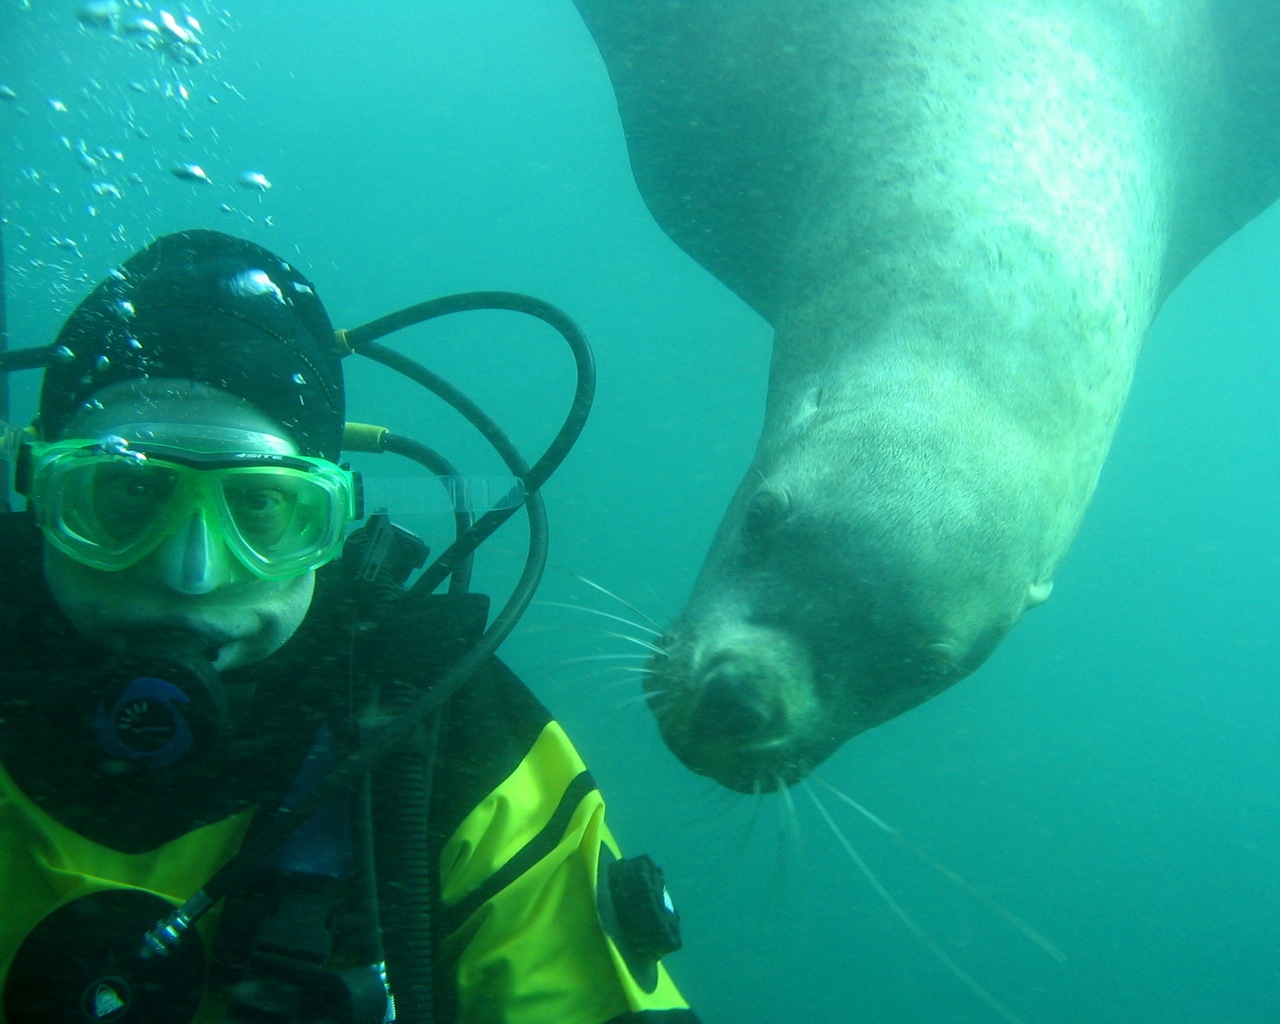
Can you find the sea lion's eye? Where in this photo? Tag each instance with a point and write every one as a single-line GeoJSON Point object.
{"type": "Point", "coordinates": [765, 509]}
{"type": "Point", "coordinates": [938, 661]}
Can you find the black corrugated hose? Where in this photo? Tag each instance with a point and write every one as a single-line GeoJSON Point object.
{"type": "Point", "coordinates": [402, 796]}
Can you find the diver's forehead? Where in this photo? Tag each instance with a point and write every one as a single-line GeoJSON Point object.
{"type": "Point", "coordinates": [183, 405]}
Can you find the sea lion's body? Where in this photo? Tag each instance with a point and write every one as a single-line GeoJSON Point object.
{"type": "Point", "coordinates": [961, 219]}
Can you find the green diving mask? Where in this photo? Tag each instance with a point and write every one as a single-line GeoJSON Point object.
{"type": "Point", "coordinates": [110, 501]}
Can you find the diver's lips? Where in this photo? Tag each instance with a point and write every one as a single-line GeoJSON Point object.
{"type": "Point", "coordinates": [177, 632]}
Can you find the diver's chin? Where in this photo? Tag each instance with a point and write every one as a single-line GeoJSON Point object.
{"type": "Point", "coordinates": [232, 652]}
{"type": "Point", "coordinates": [237, 654]}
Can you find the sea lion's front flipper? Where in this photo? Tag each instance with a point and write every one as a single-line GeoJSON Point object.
{"type": "Point", "coordinates": [1234, 151]}
{"type": "Point", "coordinates": [720, 103]}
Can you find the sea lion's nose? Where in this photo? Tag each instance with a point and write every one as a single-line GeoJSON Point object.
{"type": "Point", "coordinates": [737, 704]}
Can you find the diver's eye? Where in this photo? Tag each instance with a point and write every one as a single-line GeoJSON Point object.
{"type": "Point", "coordinates": [764, 510]}
{"type": "Point", "coordinates": [125, 493]}
{"type": "Point", "coordinates": [260, 501]}
{"type": "Point", "coordinates": [263, 506]}
{"type": "Point", "coordinates": [125, 485]}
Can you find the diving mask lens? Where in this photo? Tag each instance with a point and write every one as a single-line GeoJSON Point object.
{"type": "Point", "coordinates": [283, 521]}
{"type": "Point", "coordinates": [110, 505]}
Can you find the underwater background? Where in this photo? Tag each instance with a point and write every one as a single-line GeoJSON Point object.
{"type": "Point", "coordinates": [1111, 775]}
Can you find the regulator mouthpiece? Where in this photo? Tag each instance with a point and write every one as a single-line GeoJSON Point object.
{"type": "Point", "coordinates": [159, 701]}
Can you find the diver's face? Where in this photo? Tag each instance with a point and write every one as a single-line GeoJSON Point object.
{"type": "Point", "coordinates": [191, 583]}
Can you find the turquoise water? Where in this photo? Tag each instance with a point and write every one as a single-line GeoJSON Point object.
{"type": "Point", "coordinates": [1110, 775]}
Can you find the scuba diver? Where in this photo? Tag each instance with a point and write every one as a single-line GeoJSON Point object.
{"type": "Point", "coordinates": [252, 770]}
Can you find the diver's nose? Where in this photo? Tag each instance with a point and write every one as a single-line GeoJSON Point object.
{"type": "Point", "coordinates": [194, 559]}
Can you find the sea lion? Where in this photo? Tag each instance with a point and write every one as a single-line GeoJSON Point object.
{"type": "Point", "coordinates": [961, 217]}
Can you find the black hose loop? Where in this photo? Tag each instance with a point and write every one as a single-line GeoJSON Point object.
{"type": "Point", "coordinates": [359, 339]}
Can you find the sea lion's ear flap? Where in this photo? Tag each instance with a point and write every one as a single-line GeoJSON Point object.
{"type": "Point", "coordinates": [1038, 593]}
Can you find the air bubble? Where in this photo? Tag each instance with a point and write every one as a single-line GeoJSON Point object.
{"type": "Point", "coordinates": [255, 282]}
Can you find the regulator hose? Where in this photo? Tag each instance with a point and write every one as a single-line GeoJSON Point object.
{"type": "Point", "coordinates": [405, 890]}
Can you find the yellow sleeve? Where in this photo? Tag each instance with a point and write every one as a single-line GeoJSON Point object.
{"type": "Point", "coordinates": [519, 882]}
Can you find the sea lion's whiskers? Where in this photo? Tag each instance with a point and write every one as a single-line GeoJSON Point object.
{"type": "Point", "coordinates": [611, 672]}
{"type": "Point", "coordinates": [788, 839]}
{"type": "Point", "coordinates": [652, 648]}
{"type": "Point", "coordinates": [640, 698]}
{"type": "Point", "coordinates": [792, 816]}
{"type": "Point", "coordinates": [907, 920]}
{"type": "Point", "coordinates": [764, 823]}
{"type": "Point", "coordinates": [622, 601]}
{"type": "Point", "coordinates": [609, 682]}
{"type": "Point", "coordinates": [950, 874]}
{"type": "Point", "coordinates": [627, 656]}
{"type": "Point", "coordinates": [593, 659]}
{"type": "Point", "coordinates": [605, 615]}
{"type": "Point", "coordinates": [753, 816]}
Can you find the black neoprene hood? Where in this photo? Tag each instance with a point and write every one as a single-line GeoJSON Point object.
{"type": "Point", "coordinates": [204, 306]}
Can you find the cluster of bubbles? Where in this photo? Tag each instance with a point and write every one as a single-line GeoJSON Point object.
{"type": "Point", "coordinates": [133, 126]}
{"type": "Point", "coordinates": [177, 37]}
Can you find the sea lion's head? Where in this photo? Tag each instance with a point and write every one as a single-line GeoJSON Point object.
{"type": "Point", "coordinates": [877, 551]}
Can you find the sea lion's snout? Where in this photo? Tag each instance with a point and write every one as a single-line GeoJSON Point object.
{"type": "Point", "coordinates": [738, 701]}
{"type": "Point", "coordinates": [733, 701]}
